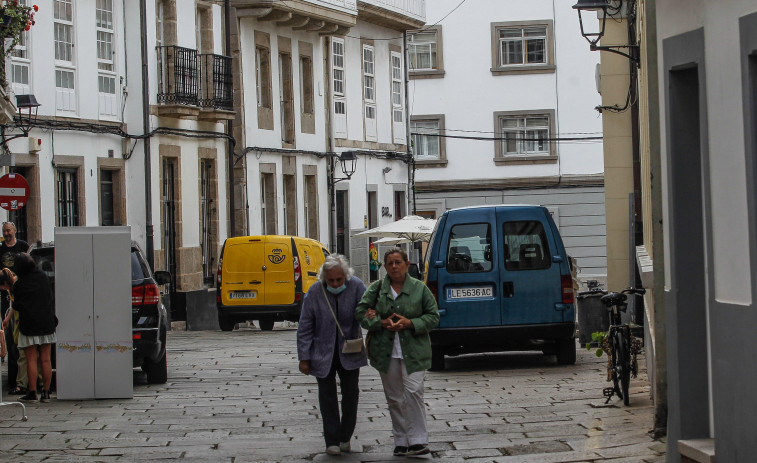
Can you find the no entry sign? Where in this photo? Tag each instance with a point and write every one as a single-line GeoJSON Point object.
{"type": "Point", "coordinates": [14, 192]}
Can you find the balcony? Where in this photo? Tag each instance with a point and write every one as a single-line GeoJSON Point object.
{"type": "Point", "coordinates": [397, 14]}
{"type": "Point", "coordinates": [194, 86]}
{"type": "Point", "coordinates": [327, 17]}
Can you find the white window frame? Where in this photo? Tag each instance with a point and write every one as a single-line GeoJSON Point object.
{"type": "Point", "coordinates": [108, 100]}
{"type": "Point", "coordinates": [426, 47]}
{"type": "Point", "coordinates": [398, 108]}
{"type": "Point", "coordinates": [525, 133]}
{"type": "Point", "coordinates": [66, 97]}
{"type": "Point", "coordinates": [369, 93]}
{"type": "Point", "coordinates": [520, 40]}
{"type": "Point", "coordinates": [338, 86]}
{"type": "Point", "coordinates": [21, 62]}
{"type": "Point", "coordinates": [423, 135]}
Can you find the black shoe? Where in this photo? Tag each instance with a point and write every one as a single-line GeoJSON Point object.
{"type": "Point", "coordinates": [418, 449]}
{"type": "Point", "coordinates": [18, 390]}
{"type": "Point", "coordinates": [399, 451]}
{"type": "Point", "coordinates": [44, 396]}
{"type": "Point", "coordinates": [30, 396]}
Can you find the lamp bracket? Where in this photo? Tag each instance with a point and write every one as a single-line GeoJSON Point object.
{"type": "Point", "coordinates": [632, 55]}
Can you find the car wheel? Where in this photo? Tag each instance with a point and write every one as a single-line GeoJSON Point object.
{"type": "Point", "coordinates": [566, 351]}
{"type": "Point", "coordinates": [157, 372]}
{"type": "Point", "coordinates": [266, 324]}
{"type": "Point", "coordinates": [225, 323]}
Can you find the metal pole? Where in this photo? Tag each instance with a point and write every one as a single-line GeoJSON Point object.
{"type": "Point", "coordinates": [229, 128]}
{"type": "Point", "coordinates": [632, 253]}
{"type": "Point", "coordinates": [149, 239]}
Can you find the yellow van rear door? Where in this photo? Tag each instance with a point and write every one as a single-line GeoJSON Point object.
{"type": "Point", "coordinates": [279, 271]}
{"type": "Point", "coordinates": [243, 275]}
{"type": "Point", "coordinates": [309, 264]}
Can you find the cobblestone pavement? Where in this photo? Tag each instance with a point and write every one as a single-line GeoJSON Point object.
{"type": "Point", "coordinates": [238, 397]}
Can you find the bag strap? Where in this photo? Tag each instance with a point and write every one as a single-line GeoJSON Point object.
{"type": "Point", "coordinates": [332, 310]}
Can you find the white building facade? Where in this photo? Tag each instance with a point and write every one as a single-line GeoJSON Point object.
{"type": "Point", "coordinates": [320, 79]}
{"type": "Point", "coordinates": [501, 112]}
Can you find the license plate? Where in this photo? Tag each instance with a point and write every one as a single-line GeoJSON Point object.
{"type": "Point", "coordinates": [469, 293]}
{"type": "Point", "coordinates": [243, 295]}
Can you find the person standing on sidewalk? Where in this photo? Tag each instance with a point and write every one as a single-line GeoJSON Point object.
{"type": "Point", "coordinates": [33, 300]}
{"type": "Point", "coordinates": [16, 359]}
{"type": "Point", "coordinates": [319, 348]}
{"type": "Point", "coordinates": [399, 312]}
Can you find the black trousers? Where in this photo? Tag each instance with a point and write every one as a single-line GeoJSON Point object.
{"type": "Point", "coordinates": [336, 430]}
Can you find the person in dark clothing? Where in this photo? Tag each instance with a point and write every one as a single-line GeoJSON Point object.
{"type": "Point", "coordinates": [9, 247]}
{"type": "Point", "coordinates": [33, 300]}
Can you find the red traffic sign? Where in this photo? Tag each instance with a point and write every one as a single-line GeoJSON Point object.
{"type": "Point", "coordinates": [14, 192]}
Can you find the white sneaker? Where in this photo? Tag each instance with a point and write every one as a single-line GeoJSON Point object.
{"type": "Point", "coordinates": [333, 450]}
{"type": "Point", "coordinates": [345, 447]}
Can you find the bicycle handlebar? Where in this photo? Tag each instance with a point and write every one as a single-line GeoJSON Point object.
{"type": "Point", "coordinates": [638, 291]}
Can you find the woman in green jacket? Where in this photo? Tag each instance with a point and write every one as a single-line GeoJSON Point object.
{"type": "Point", "coordinates": [398, 312]}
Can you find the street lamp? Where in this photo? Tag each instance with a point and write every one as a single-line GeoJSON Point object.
{"type": "Point", "coordinates": [27, 117]}
{"type": "Point", "coordinates": [593, 37]}
{"type": "Point", "coordinates": [348, 164]}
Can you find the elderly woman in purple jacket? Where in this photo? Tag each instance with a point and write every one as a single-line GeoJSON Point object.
{"type": "Point", "coordinates": [319, 348]}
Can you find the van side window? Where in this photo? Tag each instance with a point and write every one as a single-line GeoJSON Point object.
{"type": "Point", "coordinates": [470, 248]}
{"type": "Point", "coordinates": [525, 246]}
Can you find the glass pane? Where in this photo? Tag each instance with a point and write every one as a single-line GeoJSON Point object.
{"type": "Point", "coordinates": [525, 246]}
{"type": "Point", "coordinates": [470, 248]}
{"type": "Point", "coordinates": [512, 52]}
{"type": "Point", "coordinates": [535, 31]}
{"type": "Point", "coordinates": [536, 51]}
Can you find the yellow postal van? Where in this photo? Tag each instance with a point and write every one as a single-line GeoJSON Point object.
{"type": "Point", "coordinates": [264, 278]}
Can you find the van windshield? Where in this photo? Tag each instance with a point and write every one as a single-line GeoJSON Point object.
{"type": "Point", "coordinates": [470, 248]}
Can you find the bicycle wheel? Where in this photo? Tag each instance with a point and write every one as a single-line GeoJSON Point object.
{"type": "Point", "coordinates": [622, 367]}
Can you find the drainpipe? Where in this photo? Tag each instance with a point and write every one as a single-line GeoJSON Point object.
{"type": "Point", "coordinates": [330, 146]}
{"type": "Point", "coordinates": [411, 160]}
{"type": "Point", "coordinates": [149, 243]}
{"type": "Point", "coordinates": [229, 128]}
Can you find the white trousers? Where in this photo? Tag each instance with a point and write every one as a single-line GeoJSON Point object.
{"type": "Point", "coordinates": [404, 394]}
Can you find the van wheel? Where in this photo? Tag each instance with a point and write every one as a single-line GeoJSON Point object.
{"type": "Point", "coordinates": [225, 323]}
{"type": "Point", "coordinates": [437, 358]}
{"type": "Point", "coordinates": [266, 324]}
{"type": "Point", "coordinates": [566, 351]}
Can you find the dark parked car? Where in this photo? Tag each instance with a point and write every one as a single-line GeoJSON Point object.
{"type": "Point", "coordinates": [149, 319]}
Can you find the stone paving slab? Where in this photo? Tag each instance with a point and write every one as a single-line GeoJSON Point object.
{"type": "Point", "coordinates": [237, 397]}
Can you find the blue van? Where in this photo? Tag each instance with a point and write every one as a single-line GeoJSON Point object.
{"type": "Point", "coordinates": [503, 282]}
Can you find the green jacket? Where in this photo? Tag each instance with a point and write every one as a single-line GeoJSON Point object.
{"type": "Point", "coordinates": [415, 302]}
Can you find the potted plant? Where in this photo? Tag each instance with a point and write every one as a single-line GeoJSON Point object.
{"type": "Point", "coordinates": [16, 19]}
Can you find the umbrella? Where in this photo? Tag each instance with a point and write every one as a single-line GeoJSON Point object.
{"type": "Point", "coordinates": [391, 241]}
{"type": "Point", "coordinates": [411, 227]}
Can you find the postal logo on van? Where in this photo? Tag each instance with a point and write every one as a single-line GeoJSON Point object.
{"type": "Point", "coordinates": [307, 257]}
{"type": "Point", "coordinates": [277, 256]}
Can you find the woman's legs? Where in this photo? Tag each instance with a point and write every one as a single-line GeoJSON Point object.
{"type": "Point", "coordinates": [348, 383]}
{"type": "Point", "coordinates": [31, 366]}
{"type": "Point", "coordinates": [329, 405]}
{"type": "Point", "coordinates": [415, 409]}
{"type": "Point", "coordinates": [394, 390]}
{"type": "Point", "coordinates": [47, 368]}
{"type": "Point", "coordinates": [404, 395]}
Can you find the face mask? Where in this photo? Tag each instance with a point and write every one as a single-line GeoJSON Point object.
{"type": "Point", "coordinates": [338, 290]}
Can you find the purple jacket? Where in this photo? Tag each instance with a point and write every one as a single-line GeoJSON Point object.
{"type": "Point", "coordinates": [317, 332]}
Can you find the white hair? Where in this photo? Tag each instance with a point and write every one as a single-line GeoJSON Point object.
{"type": "Point", "coordinates": [333, 261]}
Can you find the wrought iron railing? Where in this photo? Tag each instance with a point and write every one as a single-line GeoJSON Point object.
{"type": "Point", "coordinates": [177, 78]}
{"type": "Point", "coordinates": [216, 82]}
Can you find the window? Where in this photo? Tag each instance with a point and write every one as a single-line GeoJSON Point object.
{"type": "Point", "coordinates": [290, 205]}
{"type": "Point", "coordinates": [522, 47]}
{"type": "Point", "coordinates": [470, 248]}
{"type": "Point", "coordinates": [286, 97]}
{"type": "Point", "coordinates": [63, 31]}
{"type": "Point", "coordinates": [425, 52]}
{"type": "Point", "coordinates": [105, 58]}
{"type": "Point", "coordinates": [310, 204]}
{"type": "Point", "coordinates": [207, 238]}
{"type": "Point", "coordinates": [338, 88]}
{"type": "Point", "coordinates": [398, 117]}
{"type": "Point", "coordinates": [525, 135]}
{"type": "Point", "coordinates": [269, 210]}
{"type": "Point", "coordinates": [306, 84]}
{"type": "Point", "coordinates": [68, 198]}
{"type": "Point", "coordinates": [369, 93]}
{"type": "Point", "coordinates": [263, 76]}
{"type": "Point", "coordinates": [525, 246]}
{"type": "Point", "coordinates": [20, 63]}
{"type": "Point", "coordinates": [160, 23]}
{"type": "Point", "coordinates": [427, 145]}
{"type": "Point", "coordinates": [107, 205]}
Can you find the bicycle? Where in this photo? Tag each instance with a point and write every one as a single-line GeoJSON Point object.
{"type": "Point", "coordinates": [620, 345]}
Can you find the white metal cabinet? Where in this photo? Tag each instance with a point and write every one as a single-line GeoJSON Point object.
{"type": "Point", "coordinates": [93, 305]}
